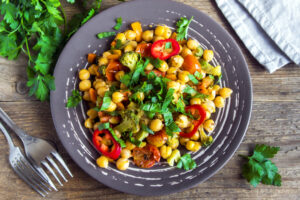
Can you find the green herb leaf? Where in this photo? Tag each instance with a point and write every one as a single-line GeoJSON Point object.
{"type": "Point", "coordinates": [211, 77]}
{"type": "Point", "coordinates": [103, 126]}
{"type": "Point", "coordinates": [105, 34]}
{"type": "Point", "coordinates": [90, 14]}
{"type": "Point", "coordinates": [119, 140]}
{"type": "Point", "coordinates": [168, 99]}
{"type": "Point", "coordinates": [74, 99]}
{"type": "Point", "coordinates": [140, 66]}
{"type": "Point", "coordinates": [147, 129]}
{"type": "Point", "coordinates": [172, 128]}
{"type": "Point", "coordinates": [118, 44]}
{"type": "Point", "coordinates": [168, 45]}
{"type": "Point", "coordinates": [182, 28]}
{"type": "Point", "coordinates": [260, 169]}
{"type": "Point", "coordinates": [198, 75]}
{"type": "Point", "coordinates": [106, 101]}
{"type": "Point", "coordinates": [71, 1]}
{"type": "Point", "coordinates": [119, 23]}
{"type": "Point", "coordinates": [186, 162]}
{"type": "Point", "coordinates": [189, 90]}
{"type": "Point", "coordinates": [193, 79]}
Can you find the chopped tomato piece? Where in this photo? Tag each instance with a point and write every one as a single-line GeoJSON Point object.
{"type": "Point", "coordinates": [191, 64]}
{"type": "Point", "coordinates": [146, 157]}
{"type": "Point", "coordinates": [144, 49]}
{"type": "Point", "coordinates": [158, 139]}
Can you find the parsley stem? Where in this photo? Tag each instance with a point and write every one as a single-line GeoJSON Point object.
{"type": "Point", "coordinates": [27, 46]}
{"type": "Point", "coordinates": [65, 18]}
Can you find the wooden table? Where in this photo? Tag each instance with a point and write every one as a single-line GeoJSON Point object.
{"type": "Point", "coordinates": [275, 121]}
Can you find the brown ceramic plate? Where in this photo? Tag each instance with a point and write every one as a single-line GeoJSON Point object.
{"type": "Point", "coordinates": [231, 121]}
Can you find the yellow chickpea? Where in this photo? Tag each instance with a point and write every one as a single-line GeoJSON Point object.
{"type": "Point", "coordinates": [117, 97]}
{"type": "Point", "coordinates": [212, 95]}
{"type": "Point", "coordinates": [117, 52]}
{"type": "Point", "coordinates": [182, 121]}
{"type": "Point", "coordinates": [197, 146]}
{"type": "Point", "coordinates": [122, 163]}
{"type": "Point", "coordinates": [173, 84]}
{"type": "Point", "coordinates": [185, 51]}
{"type": "Point", "coordinates": [149, 67]}
{"type": "Point", "coordinates": [175, 97]}
{"type": "Point", "coordinates": [163, 66]}
{"type": "Point", "coordinates": [167, 32]}
{"type": "Point", "coordinates": [106, 54]}
{"type": "Point", "coordinates": [102, 61]}
{"type": "Point", "coordinates": [208, 115]}
{"type": "Point", "coordinates": [130, 35]}
{"type": "Point", "coordinates": [225, 92]}
{"type": "Point", "coordinates": [165, 151]}
{"type": "Point", "coordinates": [216, 88]}
{"type": "Point", "coordinates": [148, 35]}
{"type": "Point", "coordinates": [102, 162]}
{"type": "Point", "coordinates": [209, 106]}
{"type": "Point", "coordinates": [173, 143]}
{"type": "Point", "coordinates": [98, 84]}
{"type": "Point", "coordinates": [92, 113]}
{"type": "Point", "coordinates": [183, 140]}
{"type": "Point", "coordinates": [172, 70]}
{"type": "Point", "coordinates": [88, 123]}
{"type": "Point", "coordinates": [176, 61]}
{"type": "Point", "coordinates": [194, 101]}
{"type": "Point", "coordinates": [209, 125]}
{"type": "Point", "coordinates": [118, 134]}
{"type": "Point", "coordinates": [125, 153]}
{"type": "Point", "coordinates": [190, 145]}
{"type": "Point", "coordinates": [101, 90]}
{"type": "Point", "coordinates": [112, 107]}
{"type": "Point", "coordinates": [86, 96]}
{"type": "Point", "coordinates": [91, 70]}
{"type": "Point", "coordinates": [192, 44]}
{"type": "Point", "coordinates": [159, 30]}
{"type": "Point", "coordinates": [119, 75]}
{"type": "Point", "coordinates": [196, 136]}
{"type": "Point", "coordinates": [156, 125]}
{"type": "Point", "coordinates": [85, 85]}
{"type": "Point", "coordinates": [129, 145]}
{"type": "Point", "coordinates": [114, 120]}
{"type": "Point", "coordinates": [84, 74]}
{"type": "Point", "coordinates": [141, 96]}
{"type": "Point", "coordinates": [121, 36]}
{"type": "Point", "coordinates": [133, 44]}
{"type": "Point", "coordinates": [208, 55]}
{"type": "Point", "coordinates": [183, 76]}
{"type": "Point", "coordinates": [156, 38]}
{"type": "Point", "coordinates": [219, 102]}
{"type": "Point", "coordinates": [128, 48]}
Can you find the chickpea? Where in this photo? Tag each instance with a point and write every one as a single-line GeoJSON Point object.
{"type": "Point", "coordinates": [192, 44]}
{"type": "Point", "coordinates": [84, 74]}
{"type": "Point", "coordinates": [194, 101]}
{"type": "Point", "coordinates": [92, 69]}
{"type": "Point", "coordinates": [225, 92]}
{"type": "Point", "coordinates": [185, 51]}
{"type": "Point", "coordinates": [171, 77]}
{"type": "Point", "coordinates": [96, 125]}
{"type": "Point", "coordinates": [163, 66]}
{"type": "Point", "coordinates": [158, 139]}
{"type": "Point", "coordinates": [114, 120]}
{"type": "Point", "coordinates": [175, 97]}
{"type": "Point", "coordinates": [121, 36]}
{"type": "Point", "coordinates": [209, 106]}
{"type": "Point", "coordinates": [86, 96]}
{"type": "Point", "coordinates": [125, 153]}
{"type": "Point", "coordinates": [172, 70]}
{"type": "Point", "coordinates": [182, 121]}
{"type": "Point", "coordinates": [159, 30]}
{"type": "Point", "coordinates": [209, 125]}
{"type": "Point", "coordinates": [129, 145]}
{"type": "Point", "coordinates": [173, 142]}
{"type": "Point", "coordinates": [176, 61]}
{"type": "Point", "coordinates": [101, 90]}
{"type": "Point", "coordinates": [183, 76]}
{"type": "Point", "coordinates": [167, 32]}
{"type": "Point", "coordinates": [102, 61]}
{"type": "Point", "coordinates": [130, 35]}
{"type": "Point", "coordinates": [208, 115]}
{"type": "Point", "coordinates": [140, 96]}
{"type": "Point", "coordinates": [173, 84]}
{"type": "Point", "coordinates": [99, 84]}
{"type": "Point", "coordinates": [190, 145]}
{"type": "Point", "coordinates": [119, 75]}
{"type": "Point", "coordinates": [122, 163]}
{"type": "Point", "coordinates": [165, 151]}
{"type": "Point", "coordinates": [102, 162]}
{"type": "Point", "coordinates": [148, 35]}
{"type": "Point", "coordinates": [212, 95]}
{"type": "Point", "coordinates": [156, 125]}
{"type": "Point", "coordinates": [106, 54]}
{"type": "Point", "coordinates": [183, 140]}
{"type": "Point", "coordinates": [128, 48]}
{"type": "Point", "coordinates": [197, 146]}
{"type": "Point", "coordinates": [85, 85]}
{"type": "Point", "coordinates": [117, 97]}
{"type": "Point", "coordinates": [217, 71]}
{"type": "Point", "coordinates": [88, 123]}
{"type": "Point", "coordinates": [216, 88]}
{"type": "Point", "coordinates": [208, 55]}
{"type": "Point", "coordinates": [112, 107]}
{"type": "Point", "coordinates": [117, 52]}
{"type": "Point", "coordinates": [118, 134]}
{"type": "Point", "coordinates": [92, 113]}
{"type": "Point", "coordinates": [219, 102]}
{"type": "Point", "coordinates": [149, 67]}
{"type": "Point", "coordinates": [133, 44]}
{"type": "Point", "coordinates": [156, 38]}
{"type": "Point", "coordinates": [196, 136]}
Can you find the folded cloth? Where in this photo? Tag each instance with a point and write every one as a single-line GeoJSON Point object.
{"type": "Point", "coordinates": [269, 29]}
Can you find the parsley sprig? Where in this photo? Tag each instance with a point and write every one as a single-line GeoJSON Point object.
{"type": "Point", "coordinates": [182, 28]}
{"type": "Point", "coordinates": [259, 168]}
{"type": "Point", "coordinates": [186, 162]}
{"type": "Point", "coordinates": [74, 99]}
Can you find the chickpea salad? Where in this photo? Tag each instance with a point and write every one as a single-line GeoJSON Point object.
{"type": "Point", "coordinates": [150, 95]}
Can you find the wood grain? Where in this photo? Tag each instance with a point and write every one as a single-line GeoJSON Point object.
{"type": "Point", "coordinates": [275, 120]}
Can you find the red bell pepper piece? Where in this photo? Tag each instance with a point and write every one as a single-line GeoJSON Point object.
{"type": "Point", "coordinates": [112, 151]}
{"type": "Point", "coordinates": [194, 109]}
{"type": "Point", "coordinates": [163, 52]}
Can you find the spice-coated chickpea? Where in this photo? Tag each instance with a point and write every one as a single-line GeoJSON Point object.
{"type": "Point", "coordinates": [219, 102]}
{"type": "Point", "coordinates": [159, 30]}
{"type": "Point", "coordinates": [167, 32]}
{"type": "Point", "coordinates": [92, 113]}
{"type": "Point", "coordinates": [101, 90]}
{"type": "Point", "coordinates": [119, 75]}
{"type": "Point", "coordinates": [121, 36]}
{"type": "Point", "coordinates": [163, 66]}
{"type": "Point", "coordinates": [183, 76]}
{"type": "Point", "coordinates": [128, 48]}
{"type": "Point", "coordinates": [117, 97]}
{"type": "Point", "coordinates": [156, 125]}
{"type": "Point", "coordinates": [182, 121]}
{"type": "Point", "coordinates": [102, 162]}
{"type": "Point", "coordinates": [192, 44]}
{"type": "Point", "coordinates": [85, 85]}
{"type": "Point", "coordinates": [185, 51]}
{"type": "Point", "coordinates": [122, 163]}
{"type": "Point", "coordinates": [102, 61]}
{"type": "Point", "coordinates": [112, 107]}
{"type": "Point", "coordinates": [225, 92]}
{"type": "Point", "coordinates": [130, 35]}
{"type": "Point", "coordinates": [149, 67]}
{"type": "Point", "coordinates": [209, 125]}
{"type": "Point", "coordinates": [148, 35]}
{"type": "Point", "coordinates": [176, 61]}
{"type": "Point", "coordinates": [125, 153]}
{"type": "Point", "coordinates": [194, 101]}
{"type": "Point", "coordinates": [88, 123]}
{"type": "Point", "coordinates": [165, 151]}
{"type": "Point", "coordinates": [84, 74]}
{"type": "Point", "coordinates": [208, 55]}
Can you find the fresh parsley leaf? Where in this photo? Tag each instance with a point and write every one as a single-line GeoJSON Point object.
{"type": "Point", "coordinates": [193, 79]}
{"type": "Point", "coordinates": [182, 28]}
{"type": "Point", "coordinates": [118, 44]}
{"type": "Point", "coordinates": [74, 99]}
{"type": "Point", "coordinates": [201, 96]}
{"type": "Point", "coordinates": [140, 66]}
{"type": "Point", "coordinates": [168, 45]}
{"type": "Point", "coordinates": [198, 75]}
{"type": "Point", "coordinates": [90, 14]}
{"type": "Point", "coordinates": [156, 62]}
{"type": "Point", "coordinates": [186, 162]}
{"type": "Point", "coordinates": [168, 99]}
{"type": "Point", "coordinates": [103, 126]}
{"type": "Point", "coordinates": [172, 128]}
{"type": "Point", "coordinates": [219, 79]}
{"type": "Point", "coordinates": [211, 77]}
{"type": "Point", "coordinates": [119, 23]}
{"type": "Point", "coordinates": [168, 117]}
{"type": "Point", "coordinates": [189, 90]}
{"type": "Point", "coordinates": [119, 140]}
{"type": "Point", "coordinates": [105, 34]}
{"type": "Point", "coordinates": [133, 140]}
{"type": "Point", "coordinates": [126, 79]}
{"type": "Point", "coordinates": [259, 168]}
{"type": "Point", "coordinates": [106, 101]}
{"type": "Point", "coordinates": [147, 129]}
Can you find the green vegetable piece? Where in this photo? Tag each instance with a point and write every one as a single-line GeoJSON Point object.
{"type": "Point", "coordinates": [119, 23]}
{"type": "Point", "coordinates": [174, 157]}
{"type": "Point", "coordinates": [198, 75]}
{"type": "Point", "coordinates": [74, 99]}
{"type": "Point", "coordinates": [141, 135]}
{"type": "Point", "coordinates": [186, 162]}
{"type": "Point", "coordinates": [193, 79]}
{"type": "Point", "coordinates": [205, 139]}
{"type": "Point", "coordinates": [103, 126]}
{"type": "Point", "coordinates": [105, 34]}
{"type": "Point", "coordinates": [130, 120]}
{"type": "Point", "coordinates": [259, 168]}
{"type": "Point", "coordinates": [130, 60]}
{"type": "Point", "coordinates": [182, 28]}
{"type": "Point", "coordinates": [198, 51]}
{"type": "Point", "coordinates": [168, 45]}
{"type": "Point", "coordinates": [106, 101]}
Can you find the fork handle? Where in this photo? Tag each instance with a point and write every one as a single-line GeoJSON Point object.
{"type": "Point", "coordinates": [22, 135]}
{"type": "Point", "coordinates": [8, 138]}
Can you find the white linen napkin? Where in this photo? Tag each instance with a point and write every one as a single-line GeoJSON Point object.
{"type": "Point", "coordinates": [270, 29]}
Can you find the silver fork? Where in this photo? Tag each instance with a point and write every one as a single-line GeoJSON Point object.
{"type": "Point", "coordinates": [39, 152]}
{"type": "Point", "coordinates": [23, 168]}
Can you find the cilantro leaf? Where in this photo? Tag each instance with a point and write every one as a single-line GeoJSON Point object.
{"type": "Point", "coordinates": [103, 126]}
{"type": "Point", "coordinates": [172, 128]}
{"type": "Point", "coordinates": [198, 75]}
{"type": "Point", "coordinates": [193, 79]}
{"type": "Point", "coordinates": [259, 168]}
{"type": "Point", "coordinates": [105, 34]}
{"type": "Point", "coordinates": [189, 90]}
{"type": "Point", "coordinates": [90, 14]}
{"type": "Point", "coordinates": [168, 99]}
{"type": "Point", "coordinates": [182, 28]}
{"type": "Point", "coordinates": [106, 101]}
{"type": "Point", "coordinates": [147, 129]}
{"type": "Point", "coordinates": [74, 99]}
{"type": "Point", "coordinates": [112, 132]}
{"type": "Point", "coordinates": [186, 162]}
{"type": "Point", "coordinates": [168, 45]}
{"type": "Point", "coordinates": [119, 23]}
